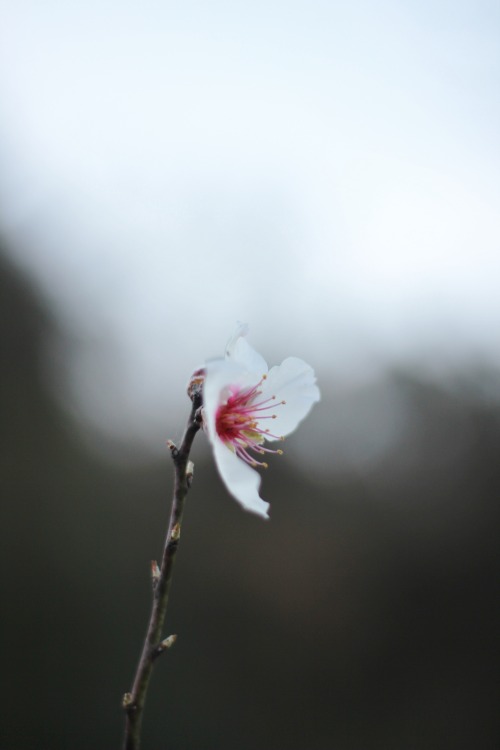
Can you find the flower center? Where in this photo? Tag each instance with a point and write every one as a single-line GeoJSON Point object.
{"type": "Point", "coordinates": [238, 422]}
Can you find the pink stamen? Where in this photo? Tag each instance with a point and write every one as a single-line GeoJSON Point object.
{"type": "Point", "coordinates": [237, 422]}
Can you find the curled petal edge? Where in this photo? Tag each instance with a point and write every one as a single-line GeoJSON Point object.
{"type": "Point", "coordinates": [241, 480]}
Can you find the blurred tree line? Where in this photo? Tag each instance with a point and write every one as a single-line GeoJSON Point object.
{"type": "Point", "coordinates": [363, 615]}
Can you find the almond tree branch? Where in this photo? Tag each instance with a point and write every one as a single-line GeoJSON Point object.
{"type": "Point", "coordinates": [133, 702]}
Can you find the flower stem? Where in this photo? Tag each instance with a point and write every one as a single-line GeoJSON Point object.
{"type": "Point", "coordinates": [133, 702]}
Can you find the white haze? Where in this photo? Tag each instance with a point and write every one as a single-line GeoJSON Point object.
{"type": "Point", "coordinates": [328, 172]}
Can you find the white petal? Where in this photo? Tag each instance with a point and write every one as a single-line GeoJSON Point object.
{"type": "Point", "coordinates": [239, 350]}
{"type": "Point", "coordinates": [241, 330]}
{"type": "Point", "coordinates": [294, 382]}
{"type": "Point", "coordinates": [220, 374]}
{"type": "Point", "coordinates": [241, 480]}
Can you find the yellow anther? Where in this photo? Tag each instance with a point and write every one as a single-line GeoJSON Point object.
{"type": "Point", "coordinates": [279, 452]}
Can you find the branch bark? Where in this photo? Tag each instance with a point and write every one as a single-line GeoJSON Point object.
{"type": "Point", "coordinates": [133, 702]}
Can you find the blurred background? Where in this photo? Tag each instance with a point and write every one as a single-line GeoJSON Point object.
{"type": "Point", "coordinates": [328, 173]}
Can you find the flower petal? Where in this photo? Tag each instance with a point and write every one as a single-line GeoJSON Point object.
{"type": "Point", "coordinates": [241, 480]}
{"type": "Point", "coordinates": [220, 374]}
{"type": "Point", "coordinates": [241, 330]}
{"type": "Point", "coordinates": [295, 383]}
{"type": "Point", "coordinates": [239, 350]}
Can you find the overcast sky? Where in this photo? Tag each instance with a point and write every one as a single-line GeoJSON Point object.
{"type": "Point", "coordinates": [326, 171]}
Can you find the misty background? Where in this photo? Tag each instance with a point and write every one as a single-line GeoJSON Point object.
{"type": "Point", "coordinates": [328, 173]}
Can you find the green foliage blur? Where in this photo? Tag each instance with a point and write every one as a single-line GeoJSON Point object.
{"type": "Point", "coordinates": [363, 615]}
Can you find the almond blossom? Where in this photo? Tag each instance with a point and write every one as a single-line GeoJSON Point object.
{"type": "Point", "coordinates": [246, 406]}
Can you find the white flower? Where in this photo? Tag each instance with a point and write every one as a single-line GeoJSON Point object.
{"type": "Point", "coordinates": [246, 405]}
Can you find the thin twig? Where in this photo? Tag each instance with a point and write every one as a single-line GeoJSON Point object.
{"type": "Point", "coordinates": [133, 702]}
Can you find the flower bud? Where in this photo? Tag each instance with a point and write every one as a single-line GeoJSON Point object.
{"type": "Point", "coordinates": [195, 385]}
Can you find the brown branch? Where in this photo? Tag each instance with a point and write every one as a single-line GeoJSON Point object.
{"type": "Point", "coordinates": [133, 702]}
